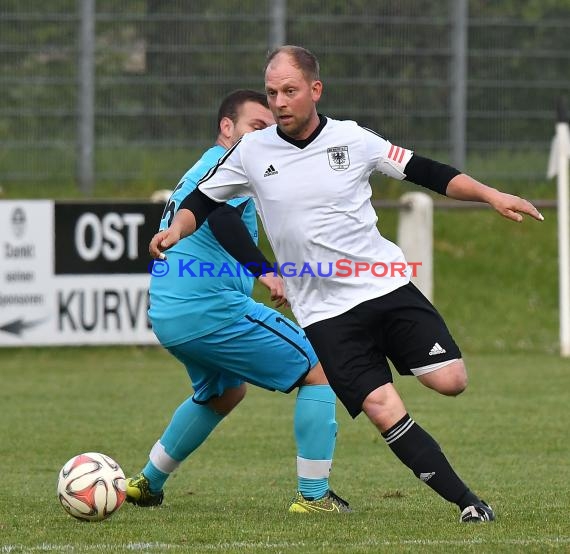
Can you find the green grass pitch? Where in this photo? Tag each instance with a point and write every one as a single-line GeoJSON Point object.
{"type": "Point", "coordinates": [507, 436]}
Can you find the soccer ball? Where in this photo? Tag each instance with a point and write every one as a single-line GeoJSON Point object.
{"type": "Point", "coordinates": [91, 486]}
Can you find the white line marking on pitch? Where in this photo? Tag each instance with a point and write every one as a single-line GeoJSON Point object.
{"type": "Point", "coordinates": [157, 546]}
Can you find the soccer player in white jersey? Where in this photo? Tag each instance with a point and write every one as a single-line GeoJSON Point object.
{"type": "Point", "coordinates": [202, 312]}
{"type": "Point", "coordinates": [310, 180]}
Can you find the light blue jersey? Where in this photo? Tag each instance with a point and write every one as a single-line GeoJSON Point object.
{"type": "Point", "coordinates": [204, 289]}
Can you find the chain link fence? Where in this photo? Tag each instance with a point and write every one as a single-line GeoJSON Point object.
{"type": "Point", "coordinates": [95, 91]}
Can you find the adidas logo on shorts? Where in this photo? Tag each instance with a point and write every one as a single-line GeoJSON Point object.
{"type": "Point", "coordinates": [437, 349]}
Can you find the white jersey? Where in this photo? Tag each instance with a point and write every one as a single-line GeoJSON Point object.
{"type": "Point", "coordinates": [313, 197]}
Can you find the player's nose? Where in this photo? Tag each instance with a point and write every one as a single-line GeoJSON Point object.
{"type": "Point", "coordinates": [281, 100]}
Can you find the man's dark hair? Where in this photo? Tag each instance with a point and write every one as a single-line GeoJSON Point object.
{"type": "Point", "coordinates": [303, 59]}
{"type": "Point", "coordinates": [235, 100]}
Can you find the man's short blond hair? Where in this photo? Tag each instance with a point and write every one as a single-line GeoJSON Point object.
{"type": "Point", "coordinates": [302, 58]}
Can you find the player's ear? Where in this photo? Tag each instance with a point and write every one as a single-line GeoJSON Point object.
{"type": "Point", "coordinates": [316, 90]}
{"type": "Point", "coordinates": [227, 127]}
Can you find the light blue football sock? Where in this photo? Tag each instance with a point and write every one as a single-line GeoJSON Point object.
{"type": "Point", "coordinates": [315, 433]}
{"type": "Point", "coordinates": [188, 429]}
{"type": "Point", "coordinates": [156, 478]}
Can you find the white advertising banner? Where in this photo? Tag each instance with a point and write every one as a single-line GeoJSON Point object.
{"type": "Point", "coordinates": [75, 273]}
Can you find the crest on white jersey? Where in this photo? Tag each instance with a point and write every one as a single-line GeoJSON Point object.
{"type": "Point", "coordinates": [338, 157]}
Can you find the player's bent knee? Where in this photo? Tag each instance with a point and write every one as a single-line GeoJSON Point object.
{"type": "Point", "coordinates": [384, 407]}
{"type": "Point", "coordinates": [453, 387]}
{"type": "Point", "coordinates": [229, 399]}
{"type": "Point", "coordinates": [449, 380]}
{"type": "Point", "coordinates": [316, 376]}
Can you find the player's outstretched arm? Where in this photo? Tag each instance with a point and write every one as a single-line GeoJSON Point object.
{"type": "Point", "coordinates": [183, 225]}
{"type": "Point", "coordinates": [192, 212]}
{"type": "Point", "coordinates": [464, 187]}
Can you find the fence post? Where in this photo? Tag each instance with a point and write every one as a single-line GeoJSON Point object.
{"type": "Point", "coordinates": [415, 237]}
{"type": "Point", "coordinates": [86, 97]}
{"type": "Point", "coordinates": [277, 23]}
{"type": "Point", "coordinates": [458, 82]}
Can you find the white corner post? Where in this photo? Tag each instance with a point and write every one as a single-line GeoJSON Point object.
{"type": "Point", "coordinates": [558, 166]}
{"type": "Point", "coordinates": [415, 238]}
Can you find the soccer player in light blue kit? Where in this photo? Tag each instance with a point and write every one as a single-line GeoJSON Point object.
{"type": "Point", "coordinates": [202, 312]}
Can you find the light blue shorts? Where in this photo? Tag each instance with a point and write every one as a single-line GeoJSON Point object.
{"type": "Point", "coordinates": [263, 348]}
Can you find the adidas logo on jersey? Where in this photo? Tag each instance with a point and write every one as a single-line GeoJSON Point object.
{"type": "Point", "coordinates": [437, 349]}
{"type": "Point", "coordinates": [270, 171]}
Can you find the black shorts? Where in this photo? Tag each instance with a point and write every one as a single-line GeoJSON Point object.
{"type": "Point", "coordinates": [402, 326]}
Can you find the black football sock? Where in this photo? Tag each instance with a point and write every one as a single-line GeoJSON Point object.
{"type": "Point", "coordinates": [421, 453]}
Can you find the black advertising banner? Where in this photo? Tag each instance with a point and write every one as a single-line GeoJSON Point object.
{"type": "Point", "coordinates": [104, 238]}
